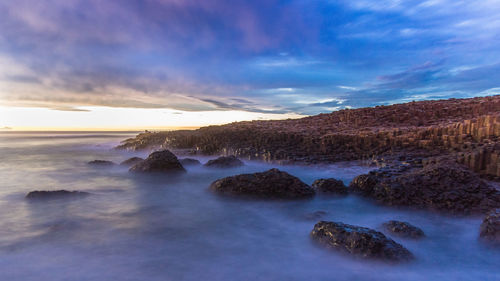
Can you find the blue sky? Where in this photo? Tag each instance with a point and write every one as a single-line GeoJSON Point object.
{"type": "Point", "coordinates": [268, 57]}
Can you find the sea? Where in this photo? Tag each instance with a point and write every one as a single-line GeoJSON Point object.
{"type": "Point", "coordinates": [149, 227]}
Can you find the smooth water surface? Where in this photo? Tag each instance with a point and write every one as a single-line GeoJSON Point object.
{"type": "Point", "coordinates": [135, 227]}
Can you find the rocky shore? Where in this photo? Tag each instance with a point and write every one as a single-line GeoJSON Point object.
{"type": "Point", "coordinates": [466, 129]}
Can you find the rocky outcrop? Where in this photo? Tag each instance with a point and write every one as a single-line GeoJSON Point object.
{"type": "Point", "coordinates": [161, 162]}
{"type": "Point", "coordinates": [131, 161]}
{"type": "Point", "coordinates": [359, 242]}
{"type": "Point", "coordinates": [42, 194]}
{"type": "Point", "coordinates": [272, 184]}
{"type": "Point", "coordinates": [461, 127]}
{"type": "Point", "coordinates": [403, 229]}
{"type": "Point", "coordinates": [330, 186]}
{"type": "Point", "coordinates": [490, 228]}
{"type": "Point", "coordinates": [189, 162]}
{"type": "Point", "coordinates": [442, 185]}
{"type": "Point", "coordinates": [225, 162]}
{"type": "Point", "coordinates": [101, 163]}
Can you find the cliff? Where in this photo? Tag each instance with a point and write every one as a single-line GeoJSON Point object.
{"type": "Point", "coordinates": [468, 129]}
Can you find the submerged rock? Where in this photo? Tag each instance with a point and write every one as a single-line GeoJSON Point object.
{"type": "Point", "coordinates": [403, 229]}
{"type": "Point", "coordinates": [159, 161]}
{"type": "Point", "coordinates": [315, 215]}
{"type": "Point", "coordinates": [225, 162]}
{"type": "Point", "coordinates": [359, 241]}
{"type": "Point", "coordinates": [42, 194]}
{"type": "Point", "coordinates": [131, 161]}
{"type": "Point", "coordinates": [189, 162]}
{"type": "Point", "coordinates": [101, 163]}
{"type": "Point", "coordinates": [332, 186]}
{"type": "Point", "coordinates": [490, 228]}
{"type": "Point", "coordinates": [445, 186]}
{"type": "Point", "coordinates": [271, 184]}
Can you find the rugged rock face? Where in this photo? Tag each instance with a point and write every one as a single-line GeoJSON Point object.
{"type": "Point", "coordinates": [490, 228]}
{"type": "Point", "coordinates": [131, 161]}
{"type": "Point", "coordinates": [403, 229]}
{"type": "Point", "coordinates": [160, 161]}
{"type": "Point", "coordinates": [272, 184]}
{"type": "Point", "coordinates": [441, 185]}
{"type": "Point", "coordinates": [55, 194]}
{"type": "Point", "coordinates": [225, 162]}
{"type": "Point", "coordinates": [189, 162]}
{"type": "Point", "coordinates": [359, 241]}
{"type": "Point", "coordinates": [101, 163]}
{"type": "Point", "coordinates": [465, 128]}
{"type": "Point", "coordinates": [330, 186]}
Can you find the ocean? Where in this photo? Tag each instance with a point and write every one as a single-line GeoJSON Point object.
{"type": "Point", "coordinates": [145, 227]}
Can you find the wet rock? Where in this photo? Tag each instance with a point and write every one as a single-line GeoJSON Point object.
{"type": "Point", "coordinates": [330, 186]}
{"type": "Point", "coordinates": [189, 162]}
{"type": "Point", "coordinates": [359, 241]}
{"type": "Point", "coordinates": [490, 228]}
{"type": "Point", "coordinates": [272, 184]}
{"type": "Point", "coordinates": [225, 162]}
{"type": "Point", "coordinates": [159, 161]}
{"type": "Point", "coordinates": [131, 161]}
{"type": "Point", "coordinates": [403, 229]}
{"type": "Point", "coordinates": [443, 185]}
{"type": "Point", "coordinates": [101, 163]}
{"type": "Point", "coordinates": [42, 194]}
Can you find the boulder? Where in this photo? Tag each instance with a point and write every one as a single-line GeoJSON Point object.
{"type": "Point", "coordinates": [359, 242]}
{"type": "Point", "coordinates": [160, 161]}
{"type": "Point", "coordinates": [131, 161]}
{"type": "Point", "coordinates": [403, 229]}
{"type": "Point", "coordinates": [490, 228]}
{"type": "Point", "coordinates": [101, 163]}
{"type": "Point", "coordinates": [189, 162]}
{"type": "Point", "coordinates": [42, 194]}
{"type": "Point", "coordinates": [225, 162]}
{"type": "Point", "coordinates": [443, 185]}
{"type": "Point", "coordinates": [331, 186]}
{"type": "Point", "coordinates": [272, 184]}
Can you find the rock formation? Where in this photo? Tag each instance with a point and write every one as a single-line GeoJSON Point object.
{"type": "Point", "coordinates": [101, 163]}
{"type": "Point", "coordinates": [359, 241]}
{"type": "Point", "coordinates": [403, 229]}
{"type": "Point", "coordinates": [131, 161]}
{"type": "Point", "coordinates": [41, 194]}
{"type": "Point", "coordinates": [330, 186]}
{"type": "Point", "coordinates": [160, 161]}
{"type": "Point", "coordinates": [189, 162]}
{"type": "Point", "coordinates": [272, 184]}
{"type": "Point", "coordinates": [225, 162]}
{"type": "Point", "coordinates": [490, 228]}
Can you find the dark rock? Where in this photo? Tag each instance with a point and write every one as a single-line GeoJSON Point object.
{"type": "Point", "coordinates": [315, 215]}
{"type": "Point", "coordinates": [131, 161]}
{"type": "Point", "coordinates": [332, 186]}
{"type": "Point", "coordinates": [359, 241]}
{"type": "Point", "coordinates": [41, 194]}
{"type": "Point", "coordinates": [101, 163]}
{"type": "Point", "coordinates": [490, 228]}
{"type": "Point", "coordinates": [270, 184]}
{"type": "Point", "coordinates": [189, 162]}
{"type": "Point", "coordinates": [403, 229]}
{"type": "Point", "coordinates": [159, 161]}
{"type": "Point", "coordinates": [225, 162]}
{"type": "Point", "coordinates": [443, 185]}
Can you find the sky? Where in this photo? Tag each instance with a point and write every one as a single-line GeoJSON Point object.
{"type": "Point", "coordinates": [130, 64]}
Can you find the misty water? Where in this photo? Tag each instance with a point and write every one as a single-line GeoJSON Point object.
{"type": "Point", "coordinates": [136, 227]}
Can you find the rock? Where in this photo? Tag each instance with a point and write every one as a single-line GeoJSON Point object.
{"type": "Point", "coordinates": [272, 184]}
{"type": "Point", "coordinates": [101, 163]}
{"type": "Point", "coordinates": [189, 162]}
{"type": "Point", "coordinates": [490, 228]}
{"type": "Point", "coordinates": [159, 161]}
{"type": "Point", "coordinates": [332, 186]}
{"type": "Point", "coordinates": [442, 185]}
{"type": "Point", "coordinates": [41, 194]}
{"type": "Point", "coordinates": [403, 229]}
{"type": "Point", "coordinates": [131, 161]}
{"type": "Point", "coordinates": [225, 162]}
{"type": "Point", "coordinates": [315, 215]}
{"type": "Point", "coordinates": [359, 241]}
